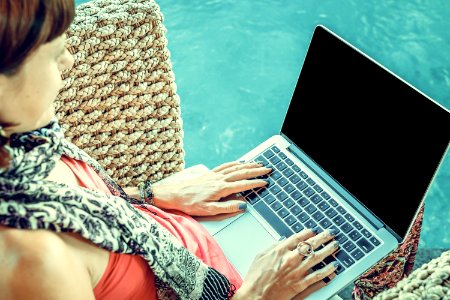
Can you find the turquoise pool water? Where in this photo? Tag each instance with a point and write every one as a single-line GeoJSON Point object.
{"type": "Point", "coordinates": [237, 61]}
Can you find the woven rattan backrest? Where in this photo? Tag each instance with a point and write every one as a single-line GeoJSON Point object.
{"type": "Point", "coordinates": [430, 281]}
{"type": "Point", "coordinates": [119, 101]}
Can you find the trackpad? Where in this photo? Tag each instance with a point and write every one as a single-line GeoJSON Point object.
{"type": "Point", "coordinates": [242, 240]}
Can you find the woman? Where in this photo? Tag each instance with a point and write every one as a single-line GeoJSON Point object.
{"type": "Point", "coordinates": [67, 231]}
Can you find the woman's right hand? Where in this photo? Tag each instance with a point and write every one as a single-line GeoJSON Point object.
{"type": "Point", "coordinates": [281, 272]}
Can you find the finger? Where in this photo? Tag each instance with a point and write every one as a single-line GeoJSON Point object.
{"type": "Point", "coordinates": [243, 185]}
{"type": "Point", "coordinates": [320, 274]}
{"type": "Point", "coordinates": [226, 165]}
{"type": "Point", "coordinates": [237, 167]}
{"type": "Point", "coordinates": [321, 238]}
{"type": "Point", "coordinates": [233, 196]}
{"type": "Point", "coordinates": [227, 207]}
{"type": "Point", "coordinates": [314, 287]}
{"type": "Point", "coordinates": [292, 242]}
{"type": "Point", "coordinates": [247, 173]}
{"type": "Point", "coordinates": [320, 255]}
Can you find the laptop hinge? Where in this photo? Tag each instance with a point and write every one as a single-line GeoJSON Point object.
{"type": "Point", "coordinates": [370, 217]}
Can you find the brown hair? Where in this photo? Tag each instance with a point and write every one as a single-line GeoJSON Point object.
{"type": "Point", "coordinates": [25, 25]}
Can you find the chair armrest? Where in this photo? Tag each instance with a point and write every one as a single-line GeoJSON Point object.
{"type": "Point", "coordinates": [430, 281]}
{"type": "Point", "coordinates": [119, 102]}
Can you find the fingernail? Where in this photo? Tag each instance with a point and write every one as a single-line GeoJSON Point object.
{"type": "Point", "coordinates": [242, 206]}
{"type": "Point", "coordinates": [332, 231]}
{"type": "Point", "coordinates": [336, 244]}
{"type": "Point", "coordinates": [315, 230]}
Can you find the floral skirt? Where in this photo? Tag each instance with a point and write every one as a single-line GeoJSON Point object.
{"type": "Point", "coordinates": [392, 268]}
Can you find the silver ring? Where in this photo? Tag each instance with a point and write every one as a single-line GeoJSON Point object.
{"type": "Point", "coordinates": [305, 252]}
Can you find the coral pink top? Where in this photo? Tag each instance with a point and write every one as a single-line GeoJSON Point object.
{"type": "Point", "coordinates": [129, 276]}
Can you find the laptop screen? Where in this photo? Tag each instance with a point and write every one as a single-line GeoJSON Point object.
{"type": "Point", "coordinates": [380, 138]}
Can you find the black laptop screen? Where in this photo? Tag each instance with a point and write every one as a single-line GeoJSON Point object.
{"type": "Point", "coordinates": [376, 135]}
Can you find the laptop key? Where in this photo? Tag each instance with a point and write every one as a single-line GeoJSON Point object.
{"type": "Point", "coordinates": [288, 203]}
{"type": "Point", "coordinates": [289, 162]}
{"type": "Point", "coordinates": [296, 168]}
{"type": "Point", "coordinates": [357, 254]}
{"type": "Point", "coordinates": [341, 210]}
{"type": "Point", "coordinates": [346, 227]}
{"type": "Point", "coordinates": [349, 246]}
{"type": "Point", "coordinates": [316, 199]}
{"type": "Point", "coordinates": [294, 178]}
{"type": "Point", "coordinates": [282, 181]}
{"type": "Point", "coordinates": [374, 241]}
{"type": "Point", "coordinates": [318, 216]}
{"type": "Point", "coordinates": [310, 209]}
{"type": "Point", "coordinates": [323, 206]}
{"type": "Point", "coordinates": [275, 149]}
{"type": "Point", "coordinates": [344, 259]}
{"type": "Point", "coordinates": [276, 206]}
{"type": "Point", "coordinates": [303, 175]}
{"type": "Point", "coordinates": [269, 199]}
{"type": "Point", "coordinates": [281, 166]}
{"type": "Point", "coordinates": [330, 213]}
{"type": "Point", "coordinates": [290, 219]}
{"type": "Point", "coordinates": [338, 220]}
{"type": "Point", "coordinates": [281, 196]}
{"type": "Point", "coordinates": [366, 233]}
{"type": "Point", "coordinates": [268, 153]}
{"type": "Point", "coordinates": [282, 155]}
{"type": "Point", "coordinates": [275, 175]}
{"type": "Point", "coordinates": [301, 185]}
{"type": "Point", "coordinates": [317, 188]}
{"type": "Point", "coordinates": [288, 172]}
{"type": "Point", "coordinates": [275, 189]}
{"type": "Point", "coordinates": [309, 192]}
{"type": "Point", "coordinates": [297, 227]}
{"type": "Point", "coordinates": [273, 219]}
{"type": "Point", "coordinates": [295, 210]}
{"type": "Point", "coordinates": [274, 160]}
{"type": "Point", "coordinates": [296, 195]}
{"type": "Point", "coordinates": [365, 245]}
{"type": "Point", "coordinates": [310, 181]}
{"type": "Point", "coordinates": [341, 238]}
{"type": "Point", "coordinates": [289, 188]}
{"type": "Point", "coordinates": [262, 159]}
{"type": "Point", "coordinates": [355, 235]}
{"type": "Point", "coordinates": [303, 217]}
{"type": "Point", "coordinates": [283, 213]}
{"type": "Point", "coordinates": [332, 202]}
{"type": "Point", "coordinates": [349, 217]}
{"type": "Point", "coordinates": [310, 224]}
{"type": "Point", "coordinates": [252, 198]}
{"type": "Point", "coordinates": [303, 201]}
{"type": "Point", "coordinates": [325, 195]}
{"type": "Point", "coordinates": [325, 223]}
{"type": "Point", "coordinates": [357, 225]}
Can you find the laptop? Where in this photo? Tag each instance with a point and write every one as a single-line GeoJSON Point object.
{"type": "Point", "coordinates": [358, 150]}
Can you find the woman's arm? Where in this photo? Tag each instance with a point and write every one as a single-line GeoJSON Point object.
{"type": "Point", "coordinates": [211, 193]}
{"type": "Point", "coordinates": [38, 265]}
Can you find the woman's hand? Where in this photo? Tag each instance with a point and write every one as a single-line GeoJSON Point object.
{"type": "Point", "coordinates": [213, 192]}
{"type": "Point", "coordinates": [282, 272]}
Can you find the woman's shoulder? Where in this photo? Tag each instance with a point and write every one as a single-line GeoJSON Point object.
{"type": "Point", "coordinates": [34, 261]}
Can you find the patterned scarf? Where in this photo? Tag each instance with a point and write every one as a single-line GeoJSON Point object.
{"type": "Point", "coordinates": [28, 201]}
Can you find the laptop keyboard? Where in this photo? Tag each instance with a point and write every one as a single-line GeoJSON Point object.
{"type": "Point", "coordinates": [293, 201]}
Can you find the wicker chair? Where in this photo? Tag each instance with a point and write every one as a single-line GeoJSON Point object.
{"type": "Point", "coordinates": [119, 103]}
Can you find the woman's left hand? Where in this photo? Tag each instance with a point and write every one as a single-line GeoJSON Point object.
{"type": "Point", "coordinates": [213, 192]}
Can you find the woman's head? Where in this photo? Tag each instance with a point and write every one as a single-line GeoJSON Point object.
{"type": "Point", "coordinates": [33, 55]}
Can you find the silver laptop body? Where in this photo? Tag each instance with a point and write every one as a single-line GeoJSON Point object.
{"type": "Point", "coordinates": [370, 224]}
